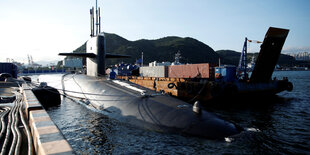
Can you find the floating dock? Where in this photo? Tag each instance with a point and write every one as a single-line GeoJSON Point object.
{"type": "Point", "coordinates": [200, 82]}
{"type": "Point", "coordinates": [204, 90]}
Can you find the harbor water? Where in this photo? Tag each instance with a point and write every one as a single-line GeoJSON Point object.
{"type": "Point", "coordinates": [273, 125]}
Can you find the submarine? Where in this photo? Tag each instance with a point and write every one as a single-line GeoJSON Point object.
{"type": "Point", "coordinates": [134, 104]}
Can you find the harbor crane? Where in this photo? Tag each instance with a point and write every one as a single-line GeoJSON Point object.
{"type": "Point", "coordinates": [242, 67]}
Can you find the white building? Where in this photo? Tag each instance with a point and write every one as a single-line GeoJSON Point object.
{"type": "Point", "coordinates": [301, 55]}
{"type": "Point", "coordinates": [155, 63]}
{"type": "Point", "coordinates": [73, 62]}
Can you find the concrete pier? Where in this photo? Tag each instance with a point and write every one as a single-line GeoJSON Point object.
{"type": "Point", "coordinates": [47, 139]}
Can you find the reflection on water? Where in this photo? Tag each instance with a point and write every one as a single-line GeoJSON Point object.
{"type": "Point", "coordinates": [280, 125]}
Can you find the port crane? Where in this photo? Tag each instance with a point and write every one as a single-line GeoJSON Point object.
{"type": "Point", "coordinates": [30, 60]}
{"type": "Point", "coordinates": [242, 67]}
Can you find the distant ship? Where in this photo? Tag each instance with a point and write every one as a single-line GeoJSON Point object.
{"type": "Point", "coordinates": [251, 65]}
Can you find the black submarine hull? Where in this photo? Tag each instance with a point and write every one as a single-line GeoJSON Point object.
{"type": "Point", "coordinates": [142, 107]}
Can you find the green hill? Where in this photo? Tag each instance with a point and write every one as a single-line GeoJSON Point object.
{"type": "Point", "coordinates": [229, 57]}
{"type": "Point", "coordinates": [233, 57]}
{"type": "Point", "coordinates": [163, 49]}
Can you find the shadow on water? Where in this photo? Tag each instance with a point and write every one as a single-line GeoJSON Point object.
{"type": "Point", "coordinates": [276, 120]}
{"type": "Point", "coordinates": [92, 132]}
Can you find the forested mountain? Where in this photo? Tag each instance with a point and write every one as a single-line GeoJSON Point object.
{"type": "Point", "coordinates": [164, 49]}
{"type": "Point", "coordinates": [233, 57]}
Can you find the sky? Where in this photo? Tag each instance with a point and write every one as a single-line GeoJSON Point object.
{"type": "Point", "coordinates": [44, 28]}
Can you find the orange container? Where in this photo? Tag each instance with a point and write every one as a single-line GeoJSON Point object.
{"type": "Point", "coordinates": [189, 71]}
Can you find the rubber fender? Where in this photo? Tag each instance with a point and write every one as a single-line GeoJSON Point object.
{"type": "Point", "coordinates": [171, 85]}
{"type": "Point", "coordinates": [5, 75]}
{"type": "Point", "coordinates": [26, 78]}
{"type": "Point", "coordinates": [47, 96]}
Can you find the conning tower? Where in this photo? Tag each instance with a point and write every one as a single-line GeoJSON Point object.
{"type": "Point", "coordinates": [95, 53]}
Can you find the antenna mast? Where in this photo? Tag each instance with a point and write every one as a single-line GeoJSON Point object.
{"type": "Point", "coordinates": [92, 21]}
{"type": "Point", "coordinates": [97, 23]}
{"type": "Point", "coordinates": [99, 20]}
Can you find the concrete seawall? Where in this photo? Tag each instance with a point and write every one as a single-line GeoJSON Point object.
{"type": "Point", "coordinates": [47, 139]}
